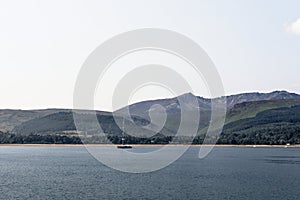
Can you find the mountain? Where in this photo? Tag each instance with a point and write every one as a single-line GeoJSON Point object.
{"type": "Point", "coordinates": [244, 111]}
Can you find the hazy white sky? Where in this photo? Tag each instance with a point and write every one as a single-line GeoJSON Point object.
{"type": "Point", "coordinates": [254, 44]}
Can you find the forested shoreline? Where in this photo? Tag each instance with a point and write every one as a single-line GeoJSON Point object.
{"type": "Point", "coordinates": [257, 139]}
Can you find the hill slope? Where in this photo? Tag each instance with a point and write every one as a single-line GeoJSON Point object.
{"type": "Point", "coordinates": [63, 122]}
{"type": "Point", "coordinates": [11, 118]}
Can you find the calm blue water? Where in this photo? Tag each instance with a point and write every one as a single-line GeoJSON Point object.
{"type": "Point", "coordinates": [227, 173]}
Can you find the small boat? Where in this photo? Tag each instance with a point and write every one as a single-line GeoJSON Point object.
{"type": "Point", "coordinates": [123, 146]}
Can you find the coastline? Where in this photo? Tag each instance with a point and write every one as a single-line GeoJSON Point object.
{"type": "Point", "coordinates": [150, 145]}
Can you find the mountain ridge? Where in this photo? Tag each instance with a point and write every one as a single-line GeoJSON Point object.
{"type": "Point", "coordinates": [141, 108]}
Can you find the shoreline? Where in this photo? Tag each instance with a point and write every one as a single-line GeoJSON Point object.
{"type": "Point", "coordinates": [150, 145]}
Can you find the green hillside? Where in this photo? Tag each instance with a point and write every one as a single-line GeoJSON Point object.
{"type": "Point", "coordinates": [9, 119]}
{"type": "Point", "coordinates": [251, 109]}
{"type": "Point", "coordinates": [273, 126]}
{"type": "Point", "coordinates": [63, 123]}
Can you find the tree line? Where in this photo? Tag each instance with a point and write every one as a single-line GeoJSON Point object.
{"type": "Point", "coordinates": [259, 137]}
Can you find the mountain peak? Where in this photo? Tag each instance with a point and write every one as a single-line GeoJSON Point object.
{"type": "Point", "coordinates": [256, 96]}
{"type": "Point", "coordinates": [188, 94]}
{"type": "Point", "coordinates": [280, 92]}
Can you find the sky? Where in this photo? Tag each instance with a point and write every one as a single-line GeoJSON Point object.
{"type": "Point", "coordinates": [254, 44]}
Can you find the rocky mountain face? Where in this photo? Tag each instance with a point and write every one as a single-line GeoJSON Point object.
{"type": "Point", "coordinates": [172, 105]}
{"type": "Point", "coordinates": [248, 97]}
